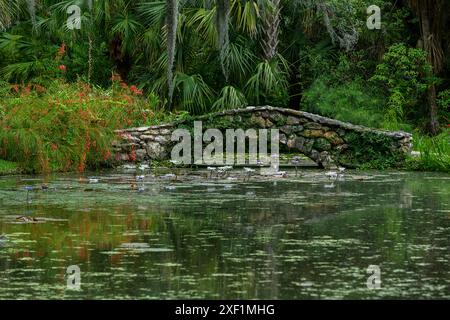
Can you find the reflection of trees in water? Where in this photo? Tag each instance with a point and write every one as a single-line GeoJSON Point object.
{"type": "Point", "coordinates": [406, 197]}
{"type": "Point", "coordinates": [249, 238]}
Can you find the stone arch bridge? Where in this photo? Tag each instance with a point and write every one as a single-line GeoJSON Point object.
{"type": "Point", "coordinates": [326, 141]}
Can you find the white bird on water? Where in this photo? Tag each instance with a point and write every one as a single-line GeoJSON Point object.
{"type": "Point", "coordinates": [93, 180]}
{"type": "Point", "coordinates": [224, 170]}
{"type": "Point", "coordinates": [335, 174]}
{"type": "Point", "coordinates": [280, 174]}
{"type": "Point", "coordinates": [211, 171]}
{"type": "Point", "coordinates": [144, 167]}
{"type": "Point", "coordinates": [248, 172]}
{"type": "Point", "coordinates": [331, 174]}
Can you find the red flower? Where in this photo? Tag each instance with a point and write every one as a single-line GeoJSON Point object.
{"type": "Point", "coordinates": [39, 89]}
{"type": "Point", "coordinates": [54, 147]}
{"type": "Point", "coordinates": [62, 50]}
{"type": "Point", "coordinates": [135, 90]}
{"type": "Point", "coordinates": [81, 167]}
{"type": "Point", "coordinates": [107, 155]}
{"type": "Point", "coordinates": [62, 68]}
{"type": "Point", "coordinates": [128, 99]}
{"type": "Point", "coordinates": [26, 90]}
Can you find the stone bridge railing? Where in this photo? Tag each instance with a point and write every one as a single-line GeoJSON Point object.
{"type": "Point", "coordinates": [326, 141]}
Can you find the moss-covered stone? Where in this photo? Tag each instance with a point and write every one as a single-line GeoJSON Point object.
{"type": "Point", "coordinates": [322, 144]}
{"type": "Point", "coordinates": [301, 144]}
{"type": "Point", "coordinates": [312, 133]}
{"type": "Point", "coordinates": [333, 137]}
{"type": "Point", "coordinates": [324, 140]}
{"type": "Point", "coordinates": [258, 121]}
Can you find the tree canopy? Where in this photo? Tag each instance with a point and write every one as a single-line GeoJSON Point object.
{"type": "Point", "coordinates": [201, 56]}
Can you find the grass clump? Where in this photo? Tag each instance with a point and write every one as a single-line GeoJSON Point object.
{"type": "Point", "coordinates": [434, 153]}
{"type": "Point", "coordinates": [352, 102]}
{"type": "Point", "coordinates": [7, 167]}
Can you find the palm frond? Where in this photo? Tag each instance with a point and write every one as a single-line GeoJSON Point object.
{"type": "Point", "coordinates": [195, 94]}
{"type": "Point", "coordinates": [230, 98]}
{"type": "Point", "coordinates": [268, 78]}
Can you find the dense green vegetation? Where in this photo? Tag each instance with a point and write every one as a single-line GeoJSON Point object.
{"type": "Point", "coordinates": [69, 126]}
{"type": "Point", "coordinates": [434, 153]}
{"type": "Point", "coordinates": [7, 167]}
{"type": "Point", "coordinates": [64, 90]}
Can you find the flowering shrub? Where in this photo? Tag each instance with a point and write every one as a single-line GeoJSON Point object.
{"type": "Point", "coordinates": [68, 127]}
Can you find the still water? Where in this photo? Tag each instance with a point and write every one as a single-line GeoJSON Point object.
{"type": "Point", "coordinates": [305, 237]}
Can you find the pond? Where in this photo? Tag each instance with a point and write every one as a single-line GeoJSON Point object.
{"type": "Point", "coordinates": [186, 235]}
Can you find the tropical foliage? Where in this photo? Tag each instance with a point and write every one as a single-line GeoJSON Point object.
{"type": "Point", "coordinates": [199, 56]}
{"type": "Point", "coordinates": [68, 127]}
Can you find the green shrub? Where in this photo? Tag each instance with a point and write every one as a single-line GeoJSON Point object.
{"type": "Point", "coordinates": [405, 74]}
{"type": "Point", "coordinates": [351, 102]}
{"type": "Point", "coordinates": [68, 127]}
{"type": "Point", "coordinates": [7, 167]}
{"type": "Point", "coordinates": [434, 153]}
{"type": "Point", "coordinates": [370, 151]}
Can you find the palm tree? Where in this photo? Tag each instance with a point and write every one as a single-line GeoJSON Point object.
{"type": "Point", "coordinates": [8, 10]}
{"type": "Point", "coordinates": [223, 17]}
{"type": "Point", "coordinates": [172, 23]}
{"type": "Point", "coordinates": [270, 28]}
{"type": "Point", "coordinates": [31, 4]}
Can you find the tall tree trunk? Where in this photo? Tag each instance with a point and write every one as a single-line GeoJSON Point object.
{"type": "Point", "coordinates": [223, 16]}
{"type": "Point", "coordinates": [121, 60]}
{"type": "Point", "coordinates": [271, 29]}
{"type": "Point", "coordinates": [91, 45]}
{"type": "Point", "coordinates": [434, 118]}
{"type": "Point", "coordinates": [428, 46]}
{"type": "Point", "coordinates": [32, 10]}
{"type": "Point", "coordinates": [430, 14]}
{"type": "Point", "coordinates": [90, 59]}
{"type": "Point", "coordinates": [172, 25]}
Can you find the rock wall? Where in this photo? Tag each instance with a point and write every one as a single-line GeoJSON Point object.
{"type": "Point", "coordinates": [326, 141]}
{"type": "Point", "coordinates": [143, 144]}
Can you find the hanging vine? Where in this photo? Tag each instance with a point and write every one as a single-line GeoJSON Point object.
{"type": "Point", "coordinates": [343, 34]}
